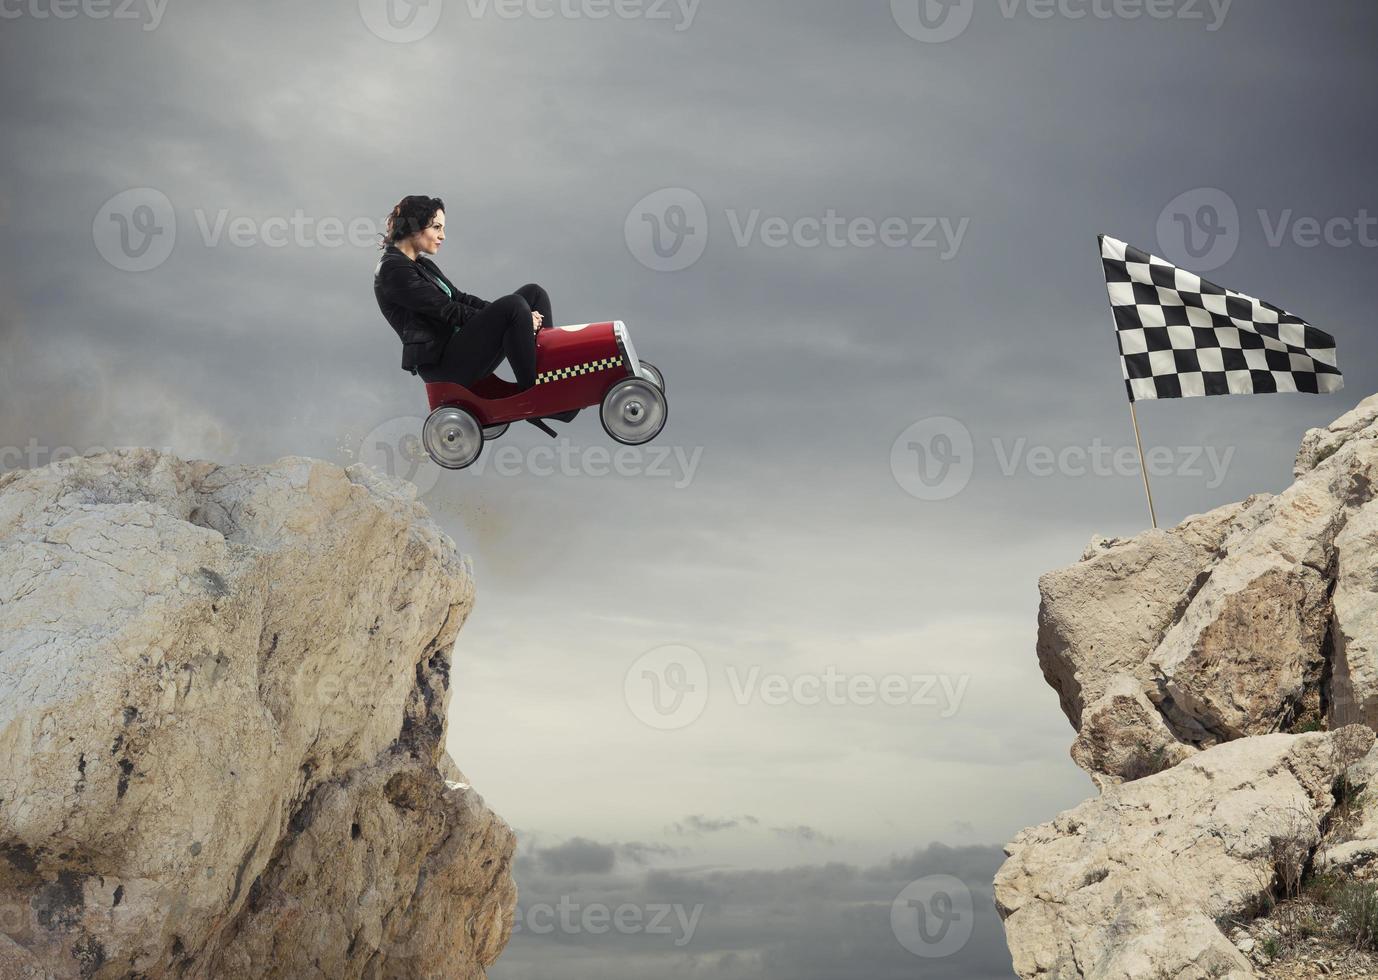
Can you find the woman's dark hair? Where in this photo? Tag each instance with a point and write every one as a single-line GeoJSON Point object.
{"type": "Point", "coordinates": [412, 214]}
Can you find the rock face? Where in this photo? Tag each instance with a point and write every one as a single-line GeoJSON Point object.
{"type": "Point", "coordinates": [1258, 617]}
{"type": "Point", "coordinates": [1130, 885]}
{"type": "Point", "coordinates": [1222, 678]}
{"type": "Point", "coordinates": [223, 693]}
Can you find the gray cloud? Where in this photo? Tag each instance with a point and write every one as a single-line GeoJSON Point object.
{"type": "Point", "coordinates": [577, 856]}
{"type": "Point", "coordinates": [641, 853]}
{"type": "Point", "coordinates": [580, 855]}
{"type": "Point", "coordinates": [803, 834]}
{"type": "Point", "coordinates": [697, 824]}
{"type": "Point", "coordinates": [804, 922]}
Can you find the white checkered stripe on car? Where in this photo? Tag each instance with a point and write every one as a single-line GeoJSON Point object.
{"type": "Point", "coordinates": [560, 374]}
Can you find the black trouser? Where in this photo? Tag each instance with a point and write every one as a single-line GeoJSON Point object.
{"type": "Point", "coordinates": [501, 329]}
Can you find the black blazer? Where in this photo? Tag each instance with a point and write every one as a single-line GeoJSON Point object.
{"type": "Point", "coordinates": [412, 301]}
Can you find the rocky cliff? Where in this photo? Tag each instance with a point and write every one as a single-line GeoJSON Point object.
{"type": "Point", "coordinates": [1222, 679]}
{"type": "Point", "coordinates": [223, 693]}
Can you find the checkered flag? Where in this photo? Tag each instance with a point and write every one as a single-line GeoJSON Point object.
{"type": "Point", "coordinates": [1181, 336]}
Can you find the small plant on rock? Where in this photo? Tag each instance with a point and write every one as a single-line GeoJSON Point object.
{"type": "Point", "coordinates": [1357, 904]}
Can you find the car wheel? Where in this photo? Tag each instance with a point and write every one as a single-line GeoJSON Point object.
{"type": "Point", "coordinates": [452, 437]}
{"type": "Point", "coordinates": [653, 375]}
{"type": "Point", "coordinates": [634, 411]}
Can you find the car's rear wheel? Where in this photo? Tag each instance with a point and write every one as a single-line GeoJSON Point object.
{"type": "Point", "coordinates": [494, 431]}
{"type": "Point", "coordinates": [653, 374]}
{"type": "Point", "coordinates": [452, 437]}
{"type": "Point", "coordinates": [634, 411]}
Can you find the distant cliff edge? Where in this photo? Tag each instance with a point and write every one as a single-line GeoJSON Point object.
{"type": "Point", "coordinates": [1222, 678]}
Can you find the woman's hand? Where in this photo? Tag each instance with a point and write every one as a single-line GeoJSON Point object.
{"type": "Point", "coordinates": [536, 320]}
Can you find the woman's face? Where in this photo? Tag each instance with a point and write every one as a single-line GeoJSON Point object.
{"type": "Point", "coordinates": [428, 239]}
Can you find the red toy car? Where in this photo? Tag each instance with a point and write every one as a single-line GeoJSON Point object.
{"type": "Point", "coordinates": [576, 367]}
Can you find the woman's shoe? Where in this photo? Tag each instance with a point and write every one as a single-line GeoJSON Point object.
{"type": "Point", "coordinates": [565, 416]}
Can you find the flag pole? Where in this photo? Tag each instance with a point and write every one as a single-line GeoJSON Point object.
{"type": "Point", "coordinates": [1138, 440]}
{"type": "Point", "coordinates": [1143, 467]}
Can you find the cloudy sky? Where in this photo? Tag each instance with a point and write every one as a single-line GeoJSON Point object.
{"type": "Point", "coordinates": [763, 695]}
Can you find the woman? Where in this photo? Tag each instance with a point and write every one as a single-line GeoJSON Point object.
{"type": "Point", "coordinates": [448, 335]}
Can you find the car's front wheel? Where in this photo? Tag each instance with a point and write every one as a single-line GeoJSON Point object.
{"type": "Point", "coordinates": [634, 411]}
